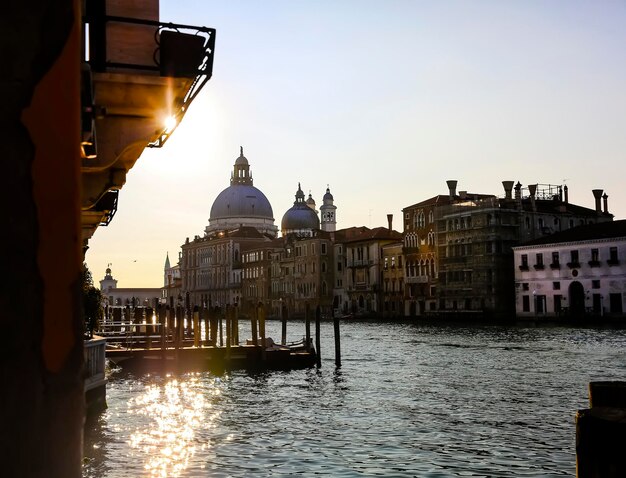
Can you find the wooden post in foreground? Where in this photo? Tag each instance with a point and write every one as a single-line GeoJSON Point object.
{"type": "Point", "coordinates": [229, 337]}
{"type": "Point", "coordinates": [262, 330]}
{"type": "Point", "coordinates": [307, 326]}
{"type": "Point", "coordinates": [221, 327]}
{"type": "Point", "coordinates": [283, 313]}
{"type": "Point", "coordinates": [318, 355]}
{"type": "Point", "coordinates": [600, 432]}
{"type": "Point", "coordinates": [253, 325]}
{"type": "Point", "coordinates": [235, 325]}
{"type": "Point", "coordinates": [161, 315]}
{"type": "Point", "coordinates": [196, 327]}
{"type": "Point", "coordinates": [337, 341]}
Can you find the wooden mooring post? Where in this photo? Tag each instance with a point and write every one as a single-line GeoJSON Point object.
{"type": "Point", "coordinates": [207, 326]}
{"type": "Point", "coordinates": [221, 327]}
{"type": "Point", "coordinates": [229, 312]}
{"type": "Point", "coordinates": [283, 315]}
{"type": "Point", "coordinates": [253, 326]}
{"type": "Point", "coordinates": [307, 326]}
{"type": "Point", "coordinates": [235, 325]}
{"type": "Point", "coordinates": [337, 341]}
{"type": "Point", "coordinates": [318, 354]}
{"type": "Point", "coordinates": [262, 331]}
{"type": "Point", "coordinates": [196, 327]}
{"type": "Point", "coordinates": [162, 318]}
{"type": "Point", "coordinates": [601, 432]}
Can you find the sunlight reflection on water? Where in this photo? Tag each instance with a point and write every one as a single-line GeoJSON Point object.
{"type": "Point", "coordinates": [166, 419]}
{"type": "Point", "coordinates": [409, 401]}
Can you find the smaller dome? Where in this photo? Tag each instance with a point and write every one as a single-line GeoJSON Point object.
{"type": "Point", "coordinates": [300, 218]}
{"type": "Point", "coordinates": [310, 201]}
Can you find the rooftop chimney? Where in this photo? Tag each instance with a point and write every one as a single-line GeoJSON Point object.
{"type": "Point", "coordinates": [452, 187]}
{"type": "Point", "coordinates": [566, 194]}
{"type": "Point", "coordinates": [606, 203]}
{"type": "Point", "coordinates": [508, 188]}
{"type": "Point", "coordinates": [597, 193]}
{"type": "Point", "coordinates": [390, 221]}
{"type": "Point", "coordinates": [532, 189]}
{"type": "Point", "coordinates": [518, 191]}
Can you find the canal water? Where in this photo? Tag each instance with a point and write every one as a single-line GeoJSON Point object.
{"type": "Point", "coordinates": [409, 400]}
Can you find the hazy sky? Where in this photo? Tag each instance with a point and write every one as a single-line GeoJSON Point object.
{"type": "Point", "coordinates": [384, 101]}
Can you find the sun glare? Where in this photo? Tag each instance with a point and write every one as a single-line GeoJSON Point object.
{"type": "Point", "coordinates": [170, 123]}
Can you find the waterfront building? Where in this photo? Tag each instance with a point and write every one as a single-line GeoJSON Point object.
{"type": "Point", "coordinates": [476, 236]}
{"type": "Point", "coordinates": [364, 265]}
{"type": "Point", "coordinates": [458, 248]}
{"type": "Point", "coordinates": [420, 250]}
{"type": "Point", "coordinates": [123, 296]}
{"type": "Point", "coordinates": [393, 280]}
{"type": "Point", "coordinates": [256, 275]}
{"type": "Point", "coordinates": [573, 273]}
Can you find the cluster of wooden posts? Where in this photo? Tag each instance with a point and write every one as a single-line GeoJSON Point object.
{"type": "Point", "coordinates": [177, 327]}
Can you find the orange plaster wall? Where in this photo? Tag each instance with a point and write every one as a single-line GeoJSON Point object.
{"type": "Point", "coordinates": [53, 120]}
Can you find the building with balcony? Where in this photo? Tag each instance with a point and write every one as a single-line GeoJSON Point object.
{"type": "Point", "coordinates": [393, 280]}
{"type": "Point", "coordinates": [476, 236]}
{"type": "Point", "coordinates": [364, 266]}
{"type": "Point", "coordinates": [576, 273]}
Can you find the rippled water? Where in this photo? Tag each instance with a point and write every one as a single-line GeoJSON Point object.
{"type": "Point", "coordinates": [409, 400]}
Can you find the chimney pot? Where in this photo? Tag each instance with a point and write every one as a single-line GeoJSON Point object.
{"type": "Point", "coordinates": [508, 188]}
{"type": "Point", "coordinates": [597, 194]}
{"type": "Point", "coordinates": [452, 187]}
{"type": "Point", "coordinates": [606, 203]}
{"type": "Point", "coordinates": [390, 221]}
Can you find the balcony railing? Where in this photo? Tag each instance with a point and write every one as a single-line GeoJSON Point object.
{"type": "Point", "coordinates": [177, 51]}
{"type": "Point", "coordinates": [417, 279]}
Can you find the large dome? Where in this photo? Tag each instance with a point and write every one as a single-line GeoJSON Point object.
{"type": "Point", "coordinates": [241, 200]}
{"type": "Point", "coordinates": [241, 204]}
{"type": "Point", "coordinates": [300, 219]}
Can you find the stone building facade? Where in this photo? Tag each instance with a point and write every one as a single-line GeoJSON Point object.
{"type": "Point", "coordinates": [580, 272]}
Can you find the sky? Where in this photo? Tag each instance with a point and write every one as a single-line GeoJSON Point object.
{"type": "Point", "coordinates": [383, 101]}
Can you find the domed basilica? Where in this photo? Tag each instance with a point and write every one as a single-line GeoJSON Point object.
{"type": "Point", "coordinates": [241, 204]}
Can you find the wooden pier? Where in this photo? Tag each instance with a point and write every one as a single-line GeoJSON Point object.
{"type": "Point", "coordinates": [177, 338]}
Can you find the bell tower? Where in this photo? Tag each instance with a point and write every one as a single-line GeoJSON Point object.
{"type": "Point", "coordinates": [328, 212]}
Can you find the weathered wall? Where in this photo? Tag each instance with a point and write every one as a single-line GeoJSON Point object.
{"type": "Point", "coordinates": [41, 391]}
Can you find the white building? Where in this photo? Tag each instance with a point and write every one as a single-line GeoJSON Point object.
{"type": "Point", "coordinates": [578, 272]}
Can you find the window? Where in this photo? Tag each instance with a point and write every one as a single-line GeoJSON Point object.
{"type": "Point", "coordinates": [323, 248]}
{"type": "Point", "coordinates": [525, 286]}
{"type": "Point", "coordinates": [526, 303]}
{"type": "Point", "coordinates": [539, 260]}
{"type": "Point", "coordinates": [613, 259]}
{"type": "Point", "coordinates": [573, 259]}
{"type": "Point", "coordinates": [595, 284]}
{"type": "Point", "coordinates": [595, 255]}
{"type": "Point", "coordinates": [556, 286]}
{"type": "Point", "coordinates": [524, 265]}
{"type": "Point", "coordinates": [555, 260]}
{"type": "Point", "coordinates": [339, 266]}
